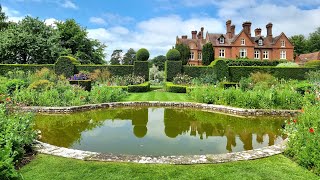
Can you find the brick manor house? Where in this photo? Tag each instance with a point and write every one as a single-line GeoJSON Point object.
{"type": "Point", "coordinates": [242, 45]}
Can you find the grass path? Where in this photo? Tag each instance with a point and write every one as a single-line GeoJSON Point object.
{"type": "Point", "coordinates": [158, 96]}
{"type": "Point", "coordinates": [276, 167]}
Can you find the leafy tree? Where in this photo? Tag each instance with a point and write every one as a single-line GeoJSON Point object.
{"type": "Point", "coordinates": [142, 55]}
{"type": "Point", "coordinates": [184, 52]}
{"type": "Point", "coordinates": [299, 43]}
{"type": "Point", "coordinates": [3, 18]}
{"type": "Point", "coordinates": [116, 57]}
{"type": "Point", "coordinates": [173, 55]}
{"type": "Point", "coordinates": [314, 41]}
{"type": "Point", "coordinates": [129, 57]}
{"type": "Point", "coordinates": [29, 42]}
{"type": "Point", "coordinates": [207, 54]}
{"type": "Point", "coordinates": [159, 62]}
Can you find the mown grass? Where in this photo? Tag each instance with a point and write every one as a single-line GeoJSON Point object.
{"type": "Point", "coordinates": [158, 96]}
{"type": "Point", "coordinates": [276, 167]}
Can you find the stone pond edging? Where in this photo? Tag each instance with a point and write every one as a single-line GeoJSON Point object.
{"type": "Point", "coordinates": [212, 107]}
{"type": "Point", "coordinates": [179, 159]}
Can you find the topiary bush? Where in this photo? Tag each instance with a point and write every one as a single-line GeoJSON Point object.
{"type": "Point", "coordinates": [221, 69]}
{"type": "Point", "coordinates": [141, 68]}
{"type": "Point", "coordinates": [66, 65]}
{"type": "Point", "coordinates": [313, 63]}
{"type": "Point", "coordinates": [142, 54]}
{"type": "Point", "coordinates": [172, 69]}
{"type": "Point", "coordinates": [173, 55]}
{"type": "Point", "coordinates": [145, 87]}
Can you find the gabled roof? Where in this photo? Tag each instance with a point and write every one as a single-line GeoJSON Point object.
{"type": "Point", "coordinates": [237, 36]}
{"type": "Point", "coordinates": [310, 56]}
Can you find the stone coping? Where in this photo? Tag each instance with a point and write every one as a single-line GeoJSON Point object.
{"type": "Point", "coordinates": [212, 107]}
{"type": "Point", "coordinates": [186, 159]}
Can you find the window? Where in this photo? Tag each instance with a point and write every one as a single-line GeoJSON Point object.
{"type": "Point", "coordinates": [199, 55]}
{"type": "Point", "coordinates": [222, 53]}
{"type": "Point", "coordinates": [221, 40]}
{"type": "Point", "coordinates": [260, 42]}
{"type": "Point", "coordinates": [265, 54]}
{"type": "Point", "coordinates": [283, 43]}
{"type": "Point", "coordinates": [256, 54]}
{"type": "Point", "coordinates": [192, 55]}
{"type": "Point", "coordinates": [283, 55]}
{"type": "Point", "coordinates": [243, 41]}
{"type": "Point", "coordinates": [243, 53]}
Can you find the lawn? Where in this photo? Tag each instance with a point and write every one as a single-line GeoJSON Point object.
{"type": "Point", "coordinates": [276, 167]}
{"type": "Point", "coordinates": [158, 96]}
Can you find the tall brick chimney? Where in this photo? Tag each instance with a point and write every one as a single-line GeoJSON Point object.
{"type": "Point", "coordinates": [269, 31]}
{"type": "Point", "coordinates": [233, 29]}
{"type": "Point", "coordinates": [194, 34]}
{"type": "Point", "coordinates": [228, 26]}
{"type": "Point", "coordinates": [247, 28]}
{"type": "Point", "coordinates": [184, 37]}
{"type": "Point", "coordinates": [257, 32]}
{"type": "Point", "coordinates": [202, 29]}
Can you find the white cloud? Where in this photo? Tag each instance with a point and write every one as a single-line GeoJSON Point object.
{"type": "Point", "coordinates": [51, 22]}
{"type": "Point", "coordinates": [69, 4]}
{"type": "Point", "coordinates": [116, 19]}
{"type": "Point", "coordinates": [98, 20]}
{"type": "Point", "coordinates": [13, 15]}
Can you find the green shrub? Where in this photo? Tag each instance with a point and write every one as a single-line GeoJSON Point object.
{"type": "Point", "coordinates": [41, 85]}
{"type": "Point", "coordinates": [85, 84]}
{"type": "Point", "coordinates": [66, 65]}
{"type": "Point", "coordinates": [172, 68]}
{"type": "Point", "coordinates": [205, 79]}
{"type": "Point", "coordinates": [100, 75]}
{"type": "Point", "coordinates": [125, 80]}
{"type": "Point", "coordinates": [145, 87]}
{"type": "Point", "coordinates": [43, 74]}
{"type": "Point", "coordinates": [227, 85]}
{"type": "Point", "coordinates": [207, 54]}
{"type": "Point", "coordinates": [17, 136]}
{"type": "Point", "coordinates": [5, 68]}
{"type": "Point", "coordinates": [14, 84]}
{"type": "Point", "coordinates": [170, 87]}
{"type": "Point", "coordinates": [313, 63]}
{"type": "Point", "coordinates": [288, 64]}
{"type": "Point", "coordinates": [141, 68]}
{"type": "Point", "coordinates": [142, 55]}
{"type": "Point", "coordinates": [182, 79]}
{"type": "Point", "coordinates": [254, 62]}
{"type": "Point", "coordinates": [104, 94]}
{"type": "Point", "coordinates": [303, 86]}
{"type": "Point", "coordinates": [221, 69]}
{"type": "Point", "coordinates": [173, 55]}
{"type": "Point", "coordinates": [313, 76]}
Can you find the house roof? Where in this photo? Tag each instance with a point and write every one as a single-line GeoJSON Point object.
{"type": "Point", "coordinates": [309, 56]}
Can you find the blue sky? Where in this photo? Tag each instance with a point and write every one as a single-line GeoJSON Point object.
{"type": "Point", "coordinates": [154, 24]}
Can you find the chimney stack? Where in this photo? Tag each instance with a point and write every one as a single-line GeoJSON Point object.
{"type": "Point", "coordinates": [194, 34]}
{"type": "Point", "coordinates": [247, 28]}
{"type": "Point", "coordinates": [184, 37]}
{"type": "Point", "coordinates": [257, 32]}
{"type": "Point", "coordinates": [228, 25]}
{"type": "Point", "coordinates": [202, 29]}
{"type": "Point", "coordinates": [269, 31]}
{"type": "Point", "coordinates": [233, 28]}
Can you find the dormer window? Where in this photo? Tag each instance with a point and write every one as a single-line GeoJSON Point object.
{"type": "Point", "coordinates": [283, 43]}
{"type": "Point", "coordinates": [243, 41]}
{"type": "Point", "coordinates": [260, 42]}
{"type": "Point", "coordinates": [221, 40]}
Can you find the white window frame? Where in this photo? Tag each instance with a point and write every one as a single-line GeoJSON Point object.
{"type": "Point", "coordinates": [192, 55]}
{"type": "Point", "coordinates": [243, 41]}
{"type": "Point", "coordinates": [200, 56]}
{"type": "Point", "coordinates": [265, 54]}
{"type": "Point", "coordinates": [221, 40]}
{"type": "Point", "coordinates": [283, 54]}
{"type": "Point", "coordinates": [256, 54]}
{"type": "Point", "coordinates": [222, 53]}
{"type": "Point", "coordinates": [243, 53]}
{"type": "Point", "coordinates": [260, 42]}
{"type": "Point", "coordinates": [283, 43]}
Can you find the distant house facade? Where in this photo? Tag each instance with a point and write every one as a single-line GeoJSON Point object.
{"type": "Point", "coordinates": [237, 46]}
{"type": "Point", "coordinates": [303, 58]}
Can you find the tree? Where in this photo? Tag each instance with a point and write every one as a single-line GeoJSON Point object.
{"type": "Point", "coordinates": [184, 52]}
{"type": "Point", "coordinates": [300, 44]}
{"type": "Point", "coordinates": [314, 41]}
{"type": "Point", "coordinates": [129, 57]}
{"type": "Point", "coordinates": [207, 54]}
{"type": "Point", "coordinates": [173, 55]}
{"type": "Point", "coordinates": [29, 42]}
{"type": "Point", "coordinates": [3, 18]}
{"type": "Point", "coordinates": [159, 62]}
{"type": "Point", "coordinates": [116, 57]}
{"type": "Point", "coordinates": [142, 55]}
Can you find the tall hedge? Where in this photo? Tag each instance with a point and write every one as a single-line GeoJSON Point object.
{"type": "Point", "coordinates": [115, 70]}
{"type": "Point", "coordinates": [66, 65]}
{"type": "Point", "coordinates": [142, 55]}
{"type": "Point", "coordinates": [5, 68]}
{"type": "Point", "coordinates": [141, 68]}
{"type": "Point", "coordinates": [232, 62]}
{"type": "Point", "coordinates": [237, 72]}
{"type": "Point", "coordinates": [221, 69]}
{"type": "Point", "coordinates": [207, 54]}
{"type": "Point", "coordinates": [172, 68]}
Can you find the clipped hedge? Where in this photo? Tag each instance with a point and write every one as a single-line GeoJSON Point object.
{"type": "Point", "coordinates": [172, 68]}
{"type": "Point", "coordinates": [86, 84]}
{"type": "Point", "coordinates": [5, 68]}
{"type": "Point", "coordinates": [197, 71]}
{"type": "Point", "coordinates": [141, 68]}
{"type": "Point", "coordinates": [170, 87]}
{"type": "Point", "coordinates": [144, 87]}
{"type": "Point", "coordinates": [65, 65]}
{"type": "Point", "coordinates": [173, 55]}
{"type": "Point", "coordinates": [237, 72]}
{"type": "Point", "coordinates": [142, 54]}
{"type": "Point", "coordinates": [115, 70]}
{"type": "Point", "coordinates": [221, 69]}
{"type": "Point", "coordinates": [240, 62]}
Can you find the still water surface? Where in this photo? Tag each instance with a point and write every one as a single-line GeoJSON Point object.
{"type": "Point", "coordinates": [158, 131]}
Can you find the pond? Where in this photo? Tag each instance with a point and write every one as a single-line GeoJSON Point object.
{"type": "Point", "coordinates": [158, 131]}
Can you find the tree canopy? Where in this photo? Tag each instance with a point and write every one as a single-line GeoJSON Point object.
{"type": "Point", "coordinates": [184, 52]}
{"type": "Point", "coordinates": [116, 57]}
{"type": "Point", "coordinates": [129, 57]}
{"type": "Point", "coordinates": [207, 54]}
{"type": "Point", "coordinates": [159, 62]}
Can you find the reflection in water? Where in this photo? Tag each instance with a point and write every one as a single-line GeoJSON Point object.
{"type": "Point", "coordinates": [158, 131]}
